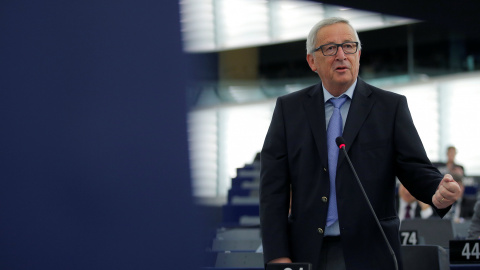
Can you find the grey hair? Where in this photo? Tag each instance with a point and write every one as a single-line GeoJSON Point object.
{"type": "Point", "coordinates": [312, 36]}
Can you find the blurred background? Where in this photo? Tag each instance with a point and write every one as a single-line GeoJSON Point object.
{"type": "Point", "coordinates": [245, 53]}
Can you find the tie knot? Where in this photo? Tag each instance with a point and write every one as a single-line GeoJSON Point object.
{"type": "Point", "coordinates": [338, 102]}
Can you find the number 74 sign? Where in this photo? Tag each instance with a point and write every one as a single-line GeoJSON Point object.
{"type": "Point", "coordinates": [409, 238]}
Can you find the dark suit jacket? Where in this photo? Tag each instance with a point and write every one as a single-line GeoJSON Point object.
{"type": "Point", "coordinates": [382, 143]}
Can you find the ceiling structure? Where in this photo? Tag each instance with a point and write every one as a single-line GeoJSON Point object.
{"type": "Point", "coordinates": [458, 15]}
{"type": "Point", "coordinates": [217, 25]}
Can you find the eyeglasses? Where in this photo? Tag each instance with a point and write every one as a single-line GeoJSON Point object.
{"type": "Point", "coordinates": [332, 48]}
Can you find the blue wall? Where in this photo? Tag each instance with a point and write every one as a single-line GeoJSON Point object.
{"type": "Point", "coordinates": [94, 167]}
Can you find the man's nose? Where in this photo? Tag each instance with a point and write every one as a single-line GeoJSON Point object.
{"type": "Point", "coordinates": [340, 53]}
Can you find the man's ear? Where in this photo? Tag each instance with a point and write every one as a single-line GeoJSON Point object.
{"type": "Point", "coordinates": [311, 62]}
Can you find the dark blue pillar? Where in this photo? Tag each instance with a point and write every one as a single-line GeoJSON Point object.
{"type": "Point", "coordinates": [94, 167]}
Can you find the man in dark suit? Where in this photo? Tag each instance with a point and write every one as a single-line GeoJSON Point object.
{"type": "Point", "coordinates": [330, 224]}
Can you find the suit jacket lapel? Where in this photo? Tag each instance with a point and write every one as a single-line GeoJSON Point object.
{"type": "Point", "coordinates": [360, 107]}
{"type": "Point", "coordinates": [315, 109]}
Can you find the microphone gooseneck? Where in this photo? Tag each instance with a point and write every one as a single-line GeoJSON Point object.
{"type": "Point", "coordinates": [341, 144]}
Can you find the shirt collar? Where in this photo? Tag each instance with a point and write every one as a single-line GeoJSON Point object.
{"type": "Point", "coordinates": [349, 92]}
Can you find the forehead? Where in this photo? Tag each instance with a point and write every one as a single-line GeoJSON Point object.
{"type": "Point", "coordinates": [335, 33]}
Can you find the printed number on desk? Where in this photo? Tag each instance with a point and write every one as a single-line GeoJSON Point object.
{"type": "Point", "coordinates": [473, 252]}
{"type": "Point", "coordinates": [409, 238]}
{"type": "Point", "coordinates": [465, 251]}
{"type": "Point", "coordinates": [289, 266]}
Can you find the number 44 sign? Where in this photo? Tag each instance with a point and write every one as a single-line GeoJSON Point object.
{"type": "Point", "coordinates": [465, 251]}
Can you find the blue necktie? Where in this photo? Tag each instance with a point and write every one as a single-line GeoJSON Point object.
{"type": "Point", "coordinates": [334, 130]}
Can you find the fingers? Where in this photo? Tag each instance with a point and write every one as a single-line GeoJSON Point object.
{"type": "Point", "coordinates": [449, 190]}
{"type": "Point", "coordinates": [448, 178]}
{"type": "Point", "coordinates": [439, 201]}
{"type": "Point", "coordinates": [441, 198]}
{"type": "Point", "coordinates": [447, 193]}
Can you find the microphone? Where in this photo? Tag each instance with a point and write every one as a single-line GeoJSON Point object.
{"type": "Point", "coordinates": [341, 144]}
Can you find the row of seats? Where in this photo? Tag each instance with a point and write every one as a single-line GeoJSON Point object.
{"type": "Point", "coordinates": [243, 197]}
{"type": "Point", "coordinates": [237, 240]}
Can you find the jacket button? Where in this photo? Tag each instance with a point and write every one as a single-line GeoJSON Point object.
{"type": "Point", "coordinates": [320, 230]}
{"type": "Point", "coordinates": [325, 169]}
{"type": "Point", "coordinates": [324, 199]}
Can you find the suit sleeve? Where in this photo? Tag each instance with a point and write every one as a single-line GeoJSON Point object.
{"type": "Point", "coordinates": [275, 189]}
{"type": "Point", "coordinates": [413, 167]}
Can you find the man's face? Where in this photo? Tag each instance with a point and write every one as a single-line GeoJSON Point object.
{"type": "Point", "coordinates": [338, 72]}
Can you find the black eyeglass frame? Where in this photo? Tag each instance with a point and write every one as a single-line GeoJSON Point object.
{"type": "Point", "coordinates": [338, 45]}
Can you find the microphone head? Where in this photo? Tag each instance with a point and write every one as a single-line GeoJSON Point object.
{"type": "Point", "coordinates": [340, 142]}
